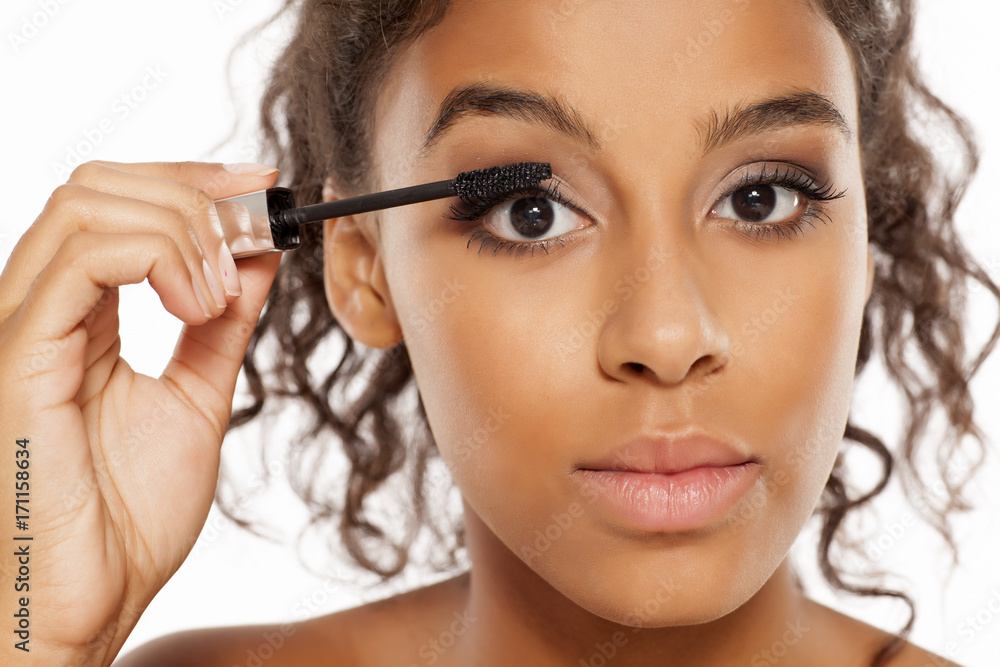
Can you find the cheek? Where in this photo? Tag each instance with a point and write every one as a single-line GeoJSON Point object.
{"type": "Point", "coordinates": [507, 406]}
{"type": "Point", "coordinates": [483, 358]}
{"type": "Point", "coordinates": [799, 348]}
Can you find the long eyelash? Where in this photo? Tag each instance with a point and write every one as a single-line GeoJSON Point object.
{"type": "Point", "coordinates": [793, 180]}
{"type": "Point", "coordinates": [474, 209]}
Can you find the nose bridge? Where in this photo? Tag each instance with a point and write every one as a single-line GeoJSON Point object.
{"type": "Point", "coordinates": [665, 321]}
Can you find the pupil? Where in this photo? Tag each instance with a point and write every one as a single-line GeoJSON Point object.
{"type": "Point", "coordinates": [754, 202]}
{"type": "Point", "coordinates": [531, 216]}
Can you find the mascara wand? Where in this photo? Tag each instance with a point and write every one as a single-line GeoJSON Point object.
{"type": "Point", "coordinates": [268, 221]}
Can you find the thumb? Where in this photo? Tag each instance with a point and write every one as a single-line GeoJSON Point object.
{"type": "Point", "coordinates": [208, 357]}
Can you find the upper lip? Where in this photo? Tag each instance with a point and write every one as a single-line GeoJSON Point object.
{"type": "Point", "coordinates": [669, 453]}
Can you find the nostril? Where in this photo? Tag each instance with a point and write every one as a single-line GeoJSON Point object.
{"type": "Point", "coordinates": [635, 365]}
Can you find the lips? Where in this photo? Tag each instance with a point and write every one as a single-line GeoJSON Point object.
{"type": "Point", "coordinates": [673, 453]}
{"type": "Point", "coordinates": [669, 482]}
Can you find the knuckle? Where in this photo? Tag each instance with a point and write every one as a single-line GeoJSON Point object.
{"type": "Point", "coordinates": [66, 196]}
{"type": "Point", "coordinates": [72, 250]}
{"type": "Point", "coordinates": [198, 204]}
{"type": "Point", "coordinates": [215, 186]}
{"type": "Point", "coordinates": [177, 171]}
{"type": "Point", "coordinates": [165, 246]}
{"type": "Point", "coordinates": [178, 223]}
{"type": "Point", "coordinates": [199, 215]}
{"type": "Point", "coordinates": [181, 228]}
{"type": "Point", "coordinates": [86, 172]}
{"type": "Point", "coordinates": [169, 171]}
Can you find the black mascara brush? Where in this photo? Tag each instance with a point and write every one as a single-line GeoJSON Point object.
{"type": "Point", "coordinates": [268, 221]}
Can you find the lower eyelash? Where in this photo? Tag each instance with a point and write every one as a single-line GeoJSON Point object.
{"type": "Point", "coordinates": [476, 209]}
{"type": "Point", "coordinates": [817, 194]}
{"type": "Point", "coordinates": [491, 240]}
{"type": "Point", "coordinates": [786, 229]}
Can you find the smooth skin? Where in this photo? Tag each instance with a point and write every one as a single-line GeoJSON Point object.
{"type": "Point", "coordinates": [679, 349]}
{"type": "Point", "coordinates": [705, 337]}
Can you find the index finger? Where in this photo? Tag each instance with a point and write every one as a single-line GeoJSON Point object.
{"type": "Point", "coordinates": [215, 179]}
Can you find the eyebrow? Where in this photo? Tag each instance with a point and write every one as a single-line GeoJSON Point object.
{"type": "Point", "coordinates": [800, 107]}
{"type": "Point", "coordinates": [482, 99]}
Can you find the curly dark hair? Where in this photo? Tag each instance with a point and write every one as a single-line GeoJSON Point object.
{"type": "Point", "coordinates": [316, 117]}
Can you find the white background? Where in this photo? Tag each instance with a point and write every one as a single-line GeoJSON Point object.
{"type": "Point", "coordinates": [70, 74]}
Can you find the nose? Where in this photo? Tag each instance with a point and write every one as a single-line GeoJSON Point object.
{"type": "Point", "coordinates": [665, 328]}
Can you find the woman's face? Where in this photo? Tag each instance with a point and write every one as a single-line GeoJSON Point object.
{"type": "Point", "coordinates": [651, 310]}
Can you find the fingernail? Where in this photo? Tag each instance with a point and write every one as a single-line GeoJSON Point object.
{"type": "Point", "coordinates": [227, 267]}
{"type": "Point", "coordinates": [213, 285]}
{"type": "Point", "coordinates": [249, 168]}
{"type": "Point", "coordinates": [201, 298]}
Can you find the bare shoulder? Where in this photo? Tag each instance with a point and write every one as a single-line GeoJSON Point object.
{"type": "Point", "coordinates": [853, 640]}
{"type": "Point", "coordinates": [399, 629]}
{"type": "Point", "coordinates": [391, 629]}
{"type": "Point", "coordinates": [277, 645]}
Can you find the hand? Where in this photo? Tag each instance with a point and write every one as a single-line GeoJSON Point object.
{"type": "Point", "coordinates": [120, 467]}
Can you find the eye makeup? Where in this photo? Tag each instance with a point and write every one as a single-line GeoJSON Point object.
{"type": "Point", "coordinates": [534, 196]}
{"type": "Point", "coordinates": [268, 221]}
{"type": "Point", "coordinates": [756, 192]}
{"type": "Point", "coordinates": [757, 189]}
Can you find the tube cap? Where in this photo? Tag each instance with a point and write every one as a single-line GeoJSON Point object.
{"type": "Point", "coordinates": [248, 222]}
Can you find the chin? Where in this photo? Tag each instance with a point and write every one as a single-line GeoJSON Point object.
{"type": "Point", "coordinates": [679, 609]}
{"type": "Point", "coordinates": [687, 591]}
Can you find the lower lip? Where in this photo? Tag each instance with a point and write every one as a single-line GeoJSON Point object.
{"type": "Point", "coordinates": [672, 502]}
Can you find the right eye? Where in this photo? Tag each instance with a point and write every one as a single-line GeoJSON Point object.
{"type": "Point", "coordinates": [531, 218]}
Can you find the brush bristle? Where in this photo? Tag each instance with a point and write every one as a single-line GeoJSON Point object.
{"type": "Point", "coordinates": [506, 178]}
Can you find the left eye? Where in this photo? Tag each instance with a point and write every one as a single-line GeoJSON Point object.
{"type": "Point", "coordinates": [533, 217]}
{"type": "Point", "coordinates": [760, 202]}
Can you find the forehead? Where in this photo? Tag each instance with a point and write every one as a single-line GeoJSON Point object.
{"type": "Point", "coordinates": [642, 72]}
